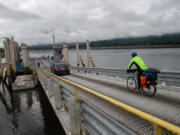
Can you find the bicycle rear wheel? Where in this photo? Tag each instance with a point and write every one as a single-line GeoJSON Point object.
{"type": "Point", "coordinates": [131, 84]}
{"type": "Point", "coordinates": [149, 91]}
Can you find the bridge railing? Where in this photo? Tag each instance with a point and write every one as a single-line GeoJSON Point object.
{"type": "Point", "coordinates": [167, 77]}
{"type": "Point", "coordinates": [158, 123]}
{"type": "Point", "coordinates": [93, 120]}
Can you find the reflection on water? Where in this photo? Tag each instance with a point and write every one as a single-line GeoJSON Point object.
{"type": "Point", "coordinates": [26, 112]}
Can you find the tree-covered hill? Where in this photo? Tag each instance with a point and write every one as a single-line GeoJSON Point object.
{"type": "Point", "coordinates": [166, 40]}
{"type": "Point", "coordinates": [169, 40]}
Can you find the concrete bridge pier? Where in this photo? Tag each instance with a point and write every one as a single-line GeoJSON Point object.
{"type": "Point", "coordinates": [7, 56]}
{"type": "Point", "coordinates": [25, 55]}
{"type": "Point", "coordinates": [65, 51]}
{"type": "Point", "coordinates": [10, 56]}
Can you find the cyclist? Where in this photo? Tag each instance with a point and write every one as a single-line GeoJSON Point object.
{"type": "Point", "coordinates": [140, 66]}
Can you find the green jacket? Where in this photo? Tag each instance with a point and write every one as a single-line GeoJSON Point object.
{"type": "Point", "coordinates": [139, 63]}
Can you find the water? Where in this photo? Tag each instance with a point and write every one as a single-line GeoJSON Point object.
{"type": "Point", "coordinates": [163, 59]}
{"type": "Point", "coordinates": [27, 113]}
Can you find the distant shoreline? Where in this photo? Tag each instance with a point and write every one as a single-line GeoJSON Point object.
{"type": "Point", "coordinates": [138, 47]}
{"type": "Point", "coordinates": [118, 47]}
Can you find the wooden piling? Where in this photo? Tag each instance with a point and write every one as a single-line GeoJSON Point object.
{"type": "Point", "coordinates": [82, 62]}
{"type": "Point", "coordinates": [77, 55]}
{"type": "Point", "coordinates": [87, 51]}
{"type": "Point", "coordinates": [92, 62]}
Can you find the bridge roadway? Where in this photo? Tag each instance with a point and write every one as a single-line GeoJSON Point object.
{"type": "Point", "coordinates": [164, 105]}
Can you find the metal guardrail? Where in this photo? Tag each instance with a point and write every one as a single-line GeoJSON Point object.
{"type": "Point", "coordinates": [158, 123]}
{"type": "Point", "coordinates": [169, 77]}
{"type": "Point", "coordinates": [95, 120]}
{"type": "Point", "coordinates": [101, 123]}
{"type": "Point", "coordinates": [92, 118]}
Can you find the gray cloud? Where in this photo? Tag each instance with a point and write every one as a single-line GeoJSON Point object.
{"type": "Point", "coordinates": [35, 21]}
{"type": "Point", "coordinates": [9, 13]}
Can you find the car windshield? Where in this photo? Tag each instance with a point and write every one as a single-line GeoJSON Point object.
{"type": "Point", "coordinates": [59, 65]}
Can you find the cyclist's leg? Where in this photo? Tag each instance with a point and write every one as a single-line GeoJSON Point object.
{"type": "Point", "coordinates": [139, 78]}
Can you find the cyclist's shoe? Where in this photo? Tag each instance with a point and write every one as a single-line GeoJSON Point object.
{"type": "Point", "coordinates": [137, 91]}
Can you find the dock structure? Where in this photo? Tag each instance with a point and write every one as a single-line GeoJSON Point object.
{"type": "Point", "coordinates": [12, 57]}
{"type": "Point", "coordinates": [16, 64]}
{"type": "Point", "coordinates": [23, 82]}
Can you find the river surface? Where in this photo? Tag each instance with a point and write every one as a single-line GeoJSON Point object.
{"type": "Point", "coordinates": [26, 113]}
{"type": "Point", "coordinates": [167, 59]}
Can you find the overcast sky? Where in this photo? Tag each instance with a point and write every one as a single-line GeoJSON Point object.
{"type": "Point", "coordinates": [34, 21]}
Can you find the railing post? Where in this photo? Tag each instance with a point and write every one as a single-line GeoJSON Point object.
{"type": "Point", "coordinates": [49, 87]}
{"type": "Point", "coordinates": [58, 100]}
{"type": "Point", "coordinates": [74, 112]}
{"type": "Point", "coordinates": [77, 94]}
{"type": "Point", "coordinates": [52, 88]}
{"type": "Point", "coordinates": [157, 130]}
{"type": "Point", "coordinates": [50, 84]}
{"type": "Point", "coordinates": [42, 78]}
{"type": "Point", "coordinates": [46, 82]}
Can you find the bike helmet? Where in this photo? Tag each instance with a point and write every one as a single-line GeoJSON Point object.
{"type": "Point", "coordinates": [134, 54]}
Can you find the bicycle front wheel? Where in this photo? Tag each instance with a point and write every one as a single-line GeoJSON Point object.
{"type": "Point", "coordinates": [149, 91]}
{"type": "Point", "coordinates": [131, 84]}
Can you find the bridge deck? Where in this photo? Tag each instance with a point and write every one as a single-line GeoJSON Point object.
{"type": "Point", "coordinates": [164, 105]}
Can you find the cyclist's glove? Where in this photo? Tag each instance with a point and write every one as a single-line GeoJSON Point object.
{"type": "Point", "coordinates": [128, 70]}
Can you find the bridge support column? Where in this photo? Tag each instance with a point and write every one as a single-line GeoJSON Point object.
{"type": "Point", "coordinates": [74, 112]}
